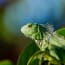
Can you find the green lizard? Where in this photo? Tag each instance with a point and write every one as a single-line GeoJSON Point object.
{"type": "Point", "coordinates": [45, 37]}
{"type": "Point", "coordinates": [34, 31]}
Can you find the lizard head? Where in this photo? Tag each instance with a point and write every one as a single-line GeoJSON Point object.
{"type": "Point", "coordinates": [37, 32]}
{"type": "Point", "coordinates": [34, 31]}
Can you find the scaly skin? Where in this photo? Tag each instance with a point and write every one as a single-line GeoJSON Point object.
{"type": "Point", "coordinates": [31, 30]}
{"type": "Point", "coordinates": [35, 32]}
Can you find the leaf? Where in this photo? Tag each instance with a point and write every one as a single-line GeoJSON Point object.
{"type": "Point", "coordinates": [27, 53]}
{"type": "Point", "coordinates": [6, 62]}
{"type": "Point", "coordinates": [41, 57]}
{"type": "Point", "coordinates": [35, 58]}
{"type": "Point", "coordinates": [61, 32]}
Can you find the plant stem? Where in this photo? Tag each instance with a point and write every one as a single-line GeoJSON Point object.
{"type": "Point", "coordinates": [49, 63]}
{"type": "Point", "coordinates": [40, 60]}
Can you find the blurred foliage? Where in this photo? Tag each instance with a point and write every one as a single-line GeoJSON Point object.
{"type": "Point", "coordinates": [7, 46]}
{"type": "Point", "coordinates": [6, 62]}
{"type": "Point", "coordinates": [5, 34]}
{"type": "Point", "coordinates": [61, 32]}
{"type": "Point", "coordinates": [31, 49]}
{"type": "Point", "coordinates": [1, 22]}
{"type": "Point", "coordinates": [27, 53]}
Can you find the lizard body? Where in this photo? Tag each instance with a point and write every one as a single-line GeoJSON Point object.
{"type": "Point", "coordinates": [45, 37]}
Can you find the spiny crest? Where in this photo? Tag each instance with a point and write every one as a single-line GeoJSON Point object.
{"type": "Point", "coordinates": [50, 28]}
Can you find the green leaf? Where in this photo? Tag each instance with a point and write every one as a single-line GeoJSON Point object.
{"type": "Point", "coordinates": [35, 58]}
{"type": "Point", "coordinates": [27, 53]}
{"type": "Point", "coordinates": [41, 57]}
{"type": "Point", "coordinates": [61, 32]}
{"type": "Point", "coordinates": [6, 62]}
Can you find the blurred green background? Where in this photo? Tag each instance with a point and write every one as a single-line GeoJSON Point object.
{"type": "Point", "coordinates": [10, 44]}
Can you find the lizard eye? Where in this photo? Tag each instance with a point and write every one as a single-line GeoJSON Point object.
{"type": "Point", "coordinates": [30, 25]}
